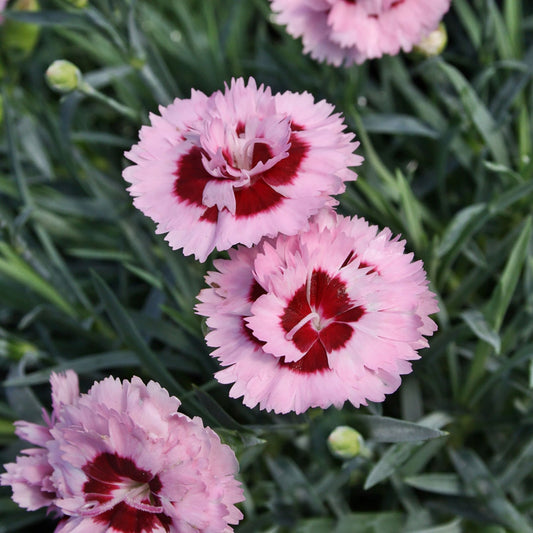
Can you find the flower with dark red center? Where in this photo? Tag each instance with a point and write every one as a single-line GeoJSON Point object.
{"type": "Point", "coordinates": [121, 459]}
{"type": "Point", "coordinates": [312, 320]}
{"type": "Point", "coordinates": [352, 31]}
{"type": "Point", "coordinates": [239, 165]}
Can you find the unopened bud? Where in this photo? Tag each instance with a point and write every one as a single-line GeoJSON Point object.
{"type": "Point", "coordinates": [434, 43]}
{"type": "Point", "coordinates": [346, 443]}
{"type": "Point", "coordinates": [63, 76]}
{"type": "Point", "coordinates": [78, 3]}
{"type": "Point", "coordinates": [20, 38]}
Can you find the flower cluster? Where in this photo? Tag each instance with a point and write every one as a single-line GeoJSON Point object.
{"type": "Point", "coordinates": [239, 165]}
{"type": "Point", "coordinates": [122, 459]}
{"type": "Point", "coordinates": [312, 309]}
{"type": "Point", "coordinates": [352, 31]}
{"type": "Point", "coordinates": [330, 315]}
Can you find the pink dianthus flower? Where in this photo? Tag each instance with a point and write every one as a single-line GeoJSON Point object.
{"type": "Point", "coordinates": [3, 4]}
{"type": "Point", "coordinates": [332, 314]}
{"type": "Point", "coordinates": [352, 31]}
{"type": "Point", "coordinates": [121, 459]}
{"type": "Point", "coordinates": [239, 165]}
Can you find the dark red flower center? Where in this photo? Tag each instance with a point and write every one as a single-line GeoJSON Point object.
{"type": "Point", "coordinates": [112, 478]}
{"type": "Point", "coordinates": [256, 196]}
{"type": "Point", "coordinates": [318, 321]}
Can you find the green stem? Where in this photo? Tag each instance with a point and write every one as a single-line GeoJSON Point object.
{"type": "Point", "coordinates": [89, 90]}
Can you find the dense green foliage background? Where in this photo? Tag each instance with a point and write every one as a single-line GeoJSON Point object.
{"type": "Point", "coordinates": [86, 284]}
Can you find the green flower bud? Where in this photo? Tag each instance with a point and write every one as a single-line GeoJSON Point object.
{"type": "Point", "coordinates": [78, 3]}
{"type": "Point", "coordinates": [346, 443]}
{"type": "Point", "coordinates": [63, 76]}
{"type": "Point", "coordinates": [434, 43]}
{"type": "Point", "coordinates": [20, 38]}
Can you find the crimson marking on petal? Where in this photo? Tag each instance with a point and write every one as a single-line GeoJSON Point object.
{"type": "Point", "coordinates": [296, 309]}
{"type": "Point", "coordinates": [396, 3]}
{"type": "Point", "coordinates": [364, 264]}
{"type": "Point", "coordinates": [352, 315]}
{"type": "Point", "coordinates": [262, 153]}
{"type": "Point", "coordinates": [315, 360]}
{"type": "Point", "coordinates": [284, 171]}
{"type": "Point", "coordinates": [191, 179]}
{"type": "Point", "coordinates": [127, 519]}
{"type": "Point", "coordinates": [304, 338]}
{"type": "Point", "coordinates": [250, 334]}
{"type": "Point", "coordinates": [255, 199]}
{"type": "Point", "coordinates": [106, 473]}
{"type": "Point", "coordinates": [335, 336]}
{"type": "Point", "coordinates": [296, 127]}
{"type": "Point", "coordinates": [335, 299]}
{"type": "Point", "coordinates": [352, 256]}
{"type": "Point", "coordinates": [256, 290]}
{"type": "Point", "coordinates": [210, 215]}
{"type": "Point", "coordinates": [319, 283]}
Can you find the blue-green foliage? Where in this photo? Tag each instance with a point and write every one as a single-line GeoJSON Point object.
{"type": "Point", "coordinates": [86, 284]}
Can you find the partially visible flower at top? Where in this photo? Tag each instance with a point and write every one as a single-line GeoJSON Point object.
{"type": "Point", "coordinates": [239, 165]}
{"type": "Point", "coordinates": [122, 459]}
{"type": "Point", "coordinates": [352, 31]}
{"type": "Point", "coordinates": [331, 315]}
{"type": "Point", "coordinates": [3, 4]}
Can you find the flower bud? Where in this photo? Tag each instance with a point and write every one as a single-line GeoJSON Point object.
{"type": "Point", "coordinates": [434, 43]}
{"type": "Point", "coordinates": [346, 443]}
{"type": "Point", "coordinates": [63, 76]}
{"type": "Point", "coordinates": [19, 38]}
{"type": "Point", "coordinates": [80, 4]}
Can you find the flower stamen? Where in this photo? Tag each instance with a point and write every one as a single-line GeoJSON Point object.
{"type": "Point", "coordinates": [314, 316]}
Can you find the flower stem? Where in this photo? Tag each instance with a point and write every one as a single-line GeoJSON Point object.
{"type": "Point", "coordinates": [89, 90]}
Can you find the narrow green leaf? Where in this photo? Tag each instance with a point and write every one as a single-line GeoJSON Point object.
{"type": "Point", "coordinates": [412, 211]}
{"type": "Point", "coordinates": [501, 297]}
{"type": "Point", "coordinates": [470, 21]}
{"type": "Point", "coordinates": [125, 326]}
{"type": "Point", "coordinates": [384, 429]}
{"type": "Point", "coordinates": [446, 483]}
{"type": "Point", "coordinates": [481, 117]}
{"type": "Point", "coordinates": [293, 481]}
{"type": "Point", "coordinates": [477, 323]}
{"type": "Point", "coordinates": [398, 125]}
{"type": "Point", "coordinates": [503, 39]}
{"type": "Point", "coordinates": [452, 527]}
{"type": "Point", "coordinates": [315, 525]}
{"type": "Point", "coordinates": [18, 270]}
{"type": "Point", "coordinates": [462, 226]}
{"type": "Point", "coordinates": [82, 365]}
{"type": "Point", "coordinates": [513, 16]}
{"type": "Point", "coordinates": [384, 522]}
{"type": "Point", "coordinates": [477, 477]}
{"type": "Point", "coordinates": [389, 463]}
{"type": "Point", "coordinates": [518, 467]}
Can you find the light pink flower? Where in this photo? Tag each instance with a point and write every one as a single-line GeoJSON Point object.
{"type": "Point", "coordinates": [3, 4]}
{"type": "Point", "coordinates": [352, 31]}
{"type": "Point", "coordinates": [333, 314]}
{"type": "Point", "coordinates": [122, 459]}
{"type": "Point", "coordinates": [233, 167]}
